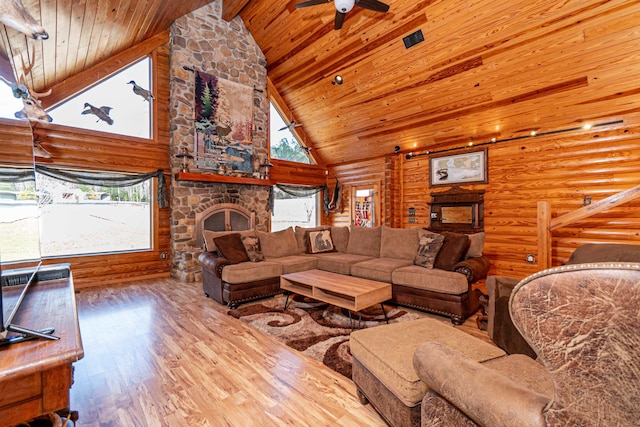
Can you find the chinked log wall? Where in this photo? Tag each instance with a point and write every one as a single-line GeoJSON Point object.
{"type": "Point", "coordinates": [561, 169]}
{"type": "Point", "coordinates": [82, 149]}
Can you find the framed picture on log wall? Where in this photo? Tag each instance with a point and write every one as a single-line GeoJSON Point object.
{"type": "Point", "coordinates": [468, 167]}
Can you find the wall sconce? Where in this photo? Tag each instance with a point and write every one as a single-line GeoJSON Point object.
{"type": "Point", "coordinates": [337, 80]}
{"type": "Point", "coordinates": [184, 155]}
{"type": "Point", "coordinates": [266, 165]}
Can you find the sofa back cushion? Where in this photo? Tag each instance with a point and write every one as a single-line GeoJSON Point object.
{"type": "Point", "coordinates": [364, 241]}
{"type": "Point", "coordinates": [453, 249]}
{"type": "Point", "coordinates": [340, 236]}
{"type": "Point", "coordinates": [231, 248]}
{"type": "Point", "coordinates": [401, 243]}
{"type": "Point", "coordinates": [605, 252]}
{"type": "Point", "coordinates": [278, 243]}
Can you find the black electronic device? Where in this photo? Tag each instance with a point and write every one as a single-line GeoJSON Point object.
{"type": "Point", "coordinates": [15, 285]}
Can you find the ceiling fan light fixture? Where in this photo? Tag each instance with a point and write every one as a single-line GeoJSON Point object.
{"type": "Point", "coordinates": [343, 6]}
{"type": "Point", "coordinates": [337, 80]}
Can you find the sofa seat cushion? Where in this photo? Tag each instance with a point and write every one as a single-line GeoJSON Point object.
{"type": "Point", "coordinates": [387, 352]}
{"type": "Point", "coordinates": [337, 262]}
{"type": "Point", "coordinates": [295, 263]}
{"type": "Point", "coordinates": [379, 269]}
{"type": "Point", "coordinates": [431, 279]}
{"type": "Point", "coordinates": [525, 371]}
{"type": "Point", "coordinates": [250, 271]}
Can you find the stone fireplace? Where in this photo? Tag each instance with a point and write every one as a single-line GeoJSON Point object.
{"type": "Point", "coordinates": [203, 41]}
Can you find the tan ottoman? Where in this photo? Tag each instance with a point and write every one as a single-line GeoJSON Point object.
{"type": "Point", "coordinates": [383, 364]}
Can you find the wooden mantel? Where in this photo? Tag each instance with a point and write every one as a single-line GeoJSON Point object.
{"type": "Point", "coordinates": [206, 177]}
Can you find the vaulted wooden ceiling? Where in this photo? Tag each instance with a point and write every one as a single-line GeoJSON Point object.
{"type": "Point", "coordinates": [486, 69]}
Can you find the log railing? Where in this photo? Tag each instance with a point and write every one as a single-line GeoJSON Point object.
{"type": "Point", "coordinates": [546, 224]}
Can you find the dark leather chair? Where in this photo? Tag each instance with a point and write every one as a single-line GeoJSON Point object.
{"type": "Point", "coordinates": [500, 327]}
{"type": "Point", "coordinates": [583, 322]}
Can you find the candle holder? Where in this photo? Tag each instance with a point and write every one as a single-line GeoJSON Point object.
{"type": "Point", "coordinates": [184, 155]}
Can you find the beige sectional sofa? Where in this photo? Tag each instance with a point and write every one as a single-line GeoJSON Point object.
{"type": "Point", "coordinates": [382, 253]}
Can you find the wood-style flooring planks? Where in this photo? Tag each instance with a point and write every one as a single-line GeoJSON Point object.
{"type": "Point", "coordinates": [158, 353]}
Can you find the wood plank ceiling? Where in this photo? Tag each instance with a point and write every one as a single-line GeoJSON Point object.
{"type": "Point", "coordinates": [487, 68]}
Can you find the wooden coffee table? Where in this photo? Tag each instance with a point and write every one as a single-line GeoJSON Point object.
{"type": "Point", "coordinates": [352, 293]}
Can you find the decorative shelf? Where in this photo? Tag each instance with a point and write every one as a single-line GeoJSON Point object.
{"type": "Point", "coordinates": [210, 177]}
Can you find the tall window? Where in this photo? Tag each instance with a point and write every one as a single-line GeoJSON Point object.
{"type": "Point", "coordinates": [18, 220]}
{"type": "Point", "coordinates": [289, 211]}
{"type": "Point", "coordinates": [284, 145]}
{"type": "Point", "coordinates": [77, 219]}
{"type": "Point", "coordinates": [10, 105]}
{"type": "Point", "coordinates": [120, 104]}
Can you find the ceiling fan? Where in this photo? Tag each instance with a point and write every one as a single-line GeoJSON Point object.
{"type": "Point", "coordinates": [292, 124]}
{"type": "Point", "coordinates": [344, 6]}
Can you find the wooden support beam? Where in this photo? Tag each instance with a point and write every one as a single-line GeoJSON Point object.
{"type": "Point", "coordinates": [231, 8]}
{"type": "Point", "coordinates": [544, 235]}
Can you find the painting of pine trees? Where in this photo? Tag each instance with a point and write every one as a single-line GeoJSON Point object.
{"type": "Point", "coordinates": [223, 124]}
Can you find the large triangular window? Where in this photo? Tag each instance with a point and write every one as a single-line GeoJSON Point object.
{"type": "Point", "coordinates": [120, 104]}
{"type": "Point", "coordinates": [284, 144]}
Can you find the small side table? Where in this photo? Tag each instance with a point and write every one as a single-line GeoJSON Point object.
{"type": "Point", "coordinates": [482, 318]}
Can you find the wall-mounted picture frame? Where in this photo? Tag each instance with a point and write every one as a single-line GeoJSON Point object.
{"type": "Point", "coordinates": [462, 167]}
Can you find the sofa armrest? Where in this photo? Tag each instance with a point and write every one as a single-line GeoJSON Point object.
{"type": "Point", "coordinates": [474, 269]}
{"type": "Point", "coordinates": [213, 263]}
{"type": "Point", "coordinates": [464, 383]}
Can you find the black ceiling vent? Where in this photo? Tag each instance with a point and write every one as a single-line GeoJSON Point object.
{"type": "Point", "coordinates": [413, 39]}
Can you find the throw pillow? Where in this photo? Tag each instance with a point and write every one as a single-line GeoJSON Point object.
{"type": "Point", "coordinates": [429, 245]}
{"type": "Point", "coordinates": [252, 247]}
{"type": "Point", "coordinates": [455, 246]}
{"type": "Point", "coordinates": [301, 236]}
{"type": "Point", "coordinates": [319, 241]}
{"type": "Point", "coordinates": [231, 248]}
{"type": "Point", "coordinates": [476, 245]}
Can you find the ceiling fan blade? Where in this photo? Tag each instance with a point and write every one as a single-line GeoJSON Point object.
{"type": "Point", "coordinates": [311, 3]}
{"type": "Point", "coordinates": [375, 5]}
{"type": "Point", "coordinates": [339, 20]}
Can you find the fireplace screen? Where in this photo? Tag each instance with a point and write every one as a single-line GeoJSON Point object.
{"type": "Point", "coordinates": [223, 217]}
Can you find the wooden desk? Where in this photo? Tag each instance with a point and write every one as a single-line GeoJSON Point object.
{"type": "Point", "coordinates": [35, 376]}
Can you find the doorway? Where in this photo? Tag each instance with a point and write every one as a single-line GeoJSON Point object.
{"type": "Point", "coordinates": [365, 206]}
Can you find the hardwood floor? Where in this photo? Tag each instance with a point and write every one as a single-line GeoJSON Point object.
{"type": "Point", "coordinates": [158, 353]}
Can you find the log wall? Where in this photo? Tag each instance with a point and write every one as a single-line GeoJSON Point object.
{"type": "Point", "coordinates": [563, 169]}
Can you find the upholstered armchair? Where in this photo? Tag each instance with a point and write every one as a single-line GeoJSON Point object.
{"type": "Point", "coordinates": [583, 322]}
{"type": "Point", "coordinates": [500, 327]}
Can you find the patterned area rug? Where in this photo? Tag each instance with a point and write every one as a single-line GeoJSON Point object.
{"type": "Point", "coordinates": [317, 329]}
